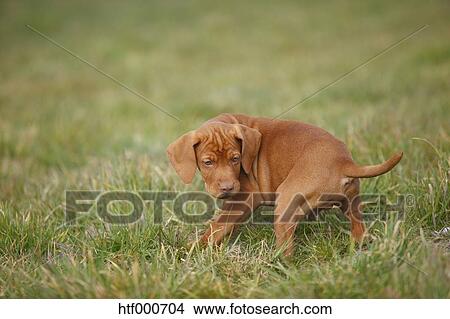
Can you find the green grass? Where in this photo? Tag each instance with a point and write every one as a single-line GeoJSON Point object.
{"type": "Point", "coordinates": [64, 126]}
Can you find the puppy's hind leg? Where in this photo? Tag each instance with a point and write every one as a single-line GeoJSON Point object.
{"type": "Point", "coordinates": [353, 209]}
{"type": "Point", "coordinates": [291, 207]}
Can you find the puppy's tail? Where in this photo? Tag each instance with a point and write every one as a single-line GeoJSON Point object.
{"type": "Point", "coordinates": [350, 169]}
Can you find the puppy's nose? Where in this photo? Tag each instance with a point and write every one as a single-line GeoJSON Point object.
{"type": "Point", "coordinates": [226, 186]}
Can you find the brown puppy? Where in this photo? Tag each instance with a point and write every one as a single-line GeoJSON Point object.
{"type": "Point", "coordinates": [299, 162]}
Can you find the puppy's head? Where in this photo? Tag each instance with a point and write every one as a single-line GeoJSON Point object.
{"type": "Point", "coordinates": [219, 151]}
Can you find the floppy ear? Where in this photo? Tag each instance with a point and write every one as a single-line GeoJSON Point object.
{"type": "Point", "coordinates": [182, 156]}
{"type": "Point", "coordinates": [250, 140]}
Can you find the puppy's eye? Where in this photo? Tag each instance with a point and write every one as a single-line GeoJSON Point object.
{"type": "Point", "coordinates": [207, 163]}
{"type": "Point", "coordinates": [235, 159]}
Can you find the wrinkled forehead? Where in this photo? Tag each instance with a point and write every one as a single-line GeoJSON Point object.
{"type": "Point", "coordinates": [217, 138]}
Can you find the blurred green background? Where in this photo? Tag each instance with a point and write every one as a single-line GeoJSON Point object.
{"type": "Point", "coordinates": [65, 126]}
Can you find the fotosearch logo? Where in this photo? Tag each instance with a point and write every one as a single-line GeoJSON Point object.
{"type": "Point", "coordinates": [199, 207]}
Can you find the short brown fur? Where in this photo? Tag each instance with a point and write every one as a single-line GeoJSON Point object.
{"type": "Point", "coordinates": [239, 153]}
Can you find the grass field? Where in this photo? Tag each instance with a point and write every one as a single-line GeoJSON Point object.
{"type": "Point", "coordinates": [65, 126]}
